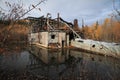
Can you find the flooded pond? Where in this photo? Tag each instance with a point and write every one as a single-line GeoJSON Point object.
{"type": "Point", "coordinates": [33, 63]}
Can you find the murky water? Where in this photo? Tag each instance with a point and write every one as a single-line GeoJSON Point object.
{"type": "Point", "coordinates": [36, 63]}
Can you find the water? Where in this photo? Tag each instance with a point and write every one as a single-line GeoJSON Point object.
{"type": "Point", "coordinates": [35, 63]}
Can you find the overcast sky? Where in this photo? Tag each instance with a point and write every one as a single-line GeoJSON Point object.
{"type": "Point", "coordinates": [89, 10]}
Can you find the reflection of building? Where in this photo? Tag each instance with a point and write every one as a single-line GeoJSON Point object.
{"type": "Point", "coordinates": [53, 64]}
{"type": "Point", "coordinates": [71, 65]}
{"type": "Point", "coordinates": [49, 55]}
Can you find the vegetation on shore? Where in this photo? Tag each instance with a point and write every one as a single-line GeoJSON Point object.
{"type": "Point", "coordinates": [108, 31]}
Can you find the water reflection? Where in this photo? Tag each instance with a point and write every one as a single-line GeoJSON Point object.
{"type": "Point", "coordinates": [66, 64]}
{"type": "Point", "coordinates": [72, 64]}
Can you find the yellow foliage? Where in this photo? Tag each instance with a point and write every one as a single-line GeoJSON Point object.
{"type": "Point", "coordinates": [108, 31]}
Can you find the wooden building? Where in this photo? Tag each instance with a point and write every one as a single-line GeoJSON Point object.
{"type": "Point", "coordinates": [49, 33]}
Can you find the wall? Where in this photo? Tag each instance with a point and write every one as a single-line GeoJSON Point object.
{"type": "Point", "coordinates": [33, 37]}
{"type": "Point", "coordinates": [62, 36]}
{"type": "Point", "coordinates": [43, 38]}
{"type": "Point", "coordinates": [53, 37]}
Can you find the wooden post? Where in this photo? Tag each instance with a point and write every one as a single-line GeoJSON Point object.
{"type": "Point", "coordinates": [58, 20]}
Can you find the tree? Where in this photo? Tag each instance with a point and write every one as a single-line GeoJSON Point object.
{"type": "Point", "coordinates": [16, 10]}
{"type": "Point", "coordinates": [117, 10]}
{"type": "Point", "coordinates": [116, 32]}
{"type": "Point", "coordinates": [15, 13]}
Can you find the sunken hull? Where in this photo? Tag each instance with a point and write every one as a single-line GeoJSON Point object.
{"type": "Point", "coordinates": [104, 48]}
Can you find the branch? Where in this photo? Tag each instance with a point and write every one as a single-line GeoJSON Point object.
{"type": "Point", "coordinates": [13, 22]}
{"type": "Point", "coordinates": [117, 19]}
{"type": "Point", "coordinates": [31, 9]}
{"type": "Point", "coordinates": [116, 8]}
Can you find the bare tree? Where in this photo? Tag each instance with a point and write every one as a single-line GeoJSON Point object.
{"type": "Point", "coordinates": [117, 10]}
{"type": "Point", "coordinates": [16, 12]}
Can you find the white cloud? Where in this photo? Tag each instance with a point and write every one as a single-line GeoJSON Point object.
{"type": "Point", "coordinates": [78, 8]}
{"type": "Point", "coordinates": [90, 10]}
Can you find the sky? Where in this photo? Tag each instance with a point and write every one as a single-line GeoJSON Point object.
{"type": "Point", "coordinates": [88, 10]}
